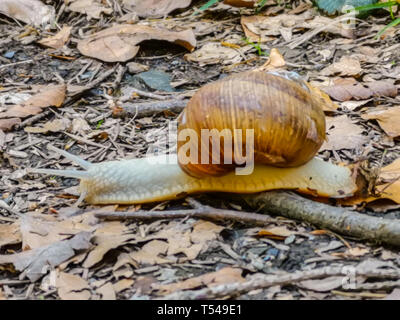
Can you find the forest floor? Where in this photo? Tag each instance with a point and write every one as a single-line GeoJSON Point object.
{"type": "Point", "coordinates": [50, 249]}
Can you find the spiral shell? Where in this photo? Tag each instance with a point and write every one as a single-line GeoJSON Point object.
{"type": "Point", "coordinates": [287, 120]}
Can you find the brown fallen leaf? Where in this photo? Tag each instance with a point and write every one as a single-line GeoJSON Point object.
{"type": "Point", "coordinates": [265, 28]}
{"type": "Point", "coordinates": [10, 234]}
{"type": "Point", "coordinates": [388, 188]}
{"type": "Point", "coordinates": [53, 95]}
{"type": "Point", "coordinates": [151, 253]}
{"type": "Point", "coordinates": [275, 61]}
{"type": "Point", "coordinates": [343, 133]}
{"type": "Point", "coordinates": [39, 230]}
{"type": "Point", "coordinates": [29, 11]}
{"type": "Point", "coordinates": [9, 124]}
{"type": "Point", "coordinates": [58, 40]}
{"type": "Point", "coordinates": [214, 53]}
{"type": "Point", "coordinates": [110, 235]}
{"type": "Point", "coordinates": [361, 91]}
{"type": "Point", "coordinates": [123, 284]}
{"type": "Point", "coordinates": [35, 262]}
{"type": "Point", "coordinates": [107, 292]}
{"type": "Point", "coordinates": [323, 285]}
{"type": "Point", "coordinates": [120, 42]}
{"type": "Point", "coordinates": [72, 287]}
{"type": "Point", "coordinates": [52, 126]}
{"type": "Point", "coordinates": [387, 117]}
{"type": "Point", "coordinates": [241, 3]}
{"type": "Point", "coordinates": [154, 8]}
{"type": "Point", "coordinates": [92, 8]}
{"type": "Point", "coordinates": [346, 66]}
{"type": "Point", "coordinates": [278, 233]}
{"type": "Point", "coordinates": [223, 276]}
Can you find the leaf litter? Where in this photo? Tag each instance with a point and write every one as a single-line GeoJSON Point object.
{"type": "Point", "coordinates": [92, 259]}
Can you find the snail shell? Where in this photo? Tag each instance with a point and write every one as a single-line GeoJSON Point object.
{"type": "Point", "coordinates": [287, 119]}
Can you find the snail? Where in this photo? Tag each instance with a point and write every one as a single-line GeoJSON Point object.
{"type": "Point", "coordinates": [287, 125]}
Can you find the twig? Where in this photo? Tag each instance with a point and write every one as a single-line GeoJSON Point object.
{"type": "Point", "coordinates": [337, 219]}
{"type": "Point", "coordinates": [32, 120]}
{"type": "Point", "coordinates": [142, 93]}
{"type": "Point", "coordinates": [151, 108]}
{"type": "Point", "coordinates": [15, 63]}
{"type": "Point", "coordinates": [265, 281]}
{"type": "Point", "coordinates": [118, 78]}
{"type": "Point", "coordinates": [89, 86]}
{"type": "Point", "coordinates": [199, 211]}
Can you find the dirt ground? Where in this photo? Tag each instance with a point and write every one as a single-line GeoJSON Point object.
{"type": "Point", "coordinates": [149, 259]}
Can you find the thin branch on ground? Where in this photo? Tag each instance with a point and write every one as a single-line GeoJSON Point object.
{"type": "Point", "coordinates": [151, 108]}
{"type": "Point", "coordinates": [266, 281]}
{"type": "Point", "coordinates": [337, 219]}
{"type": "Point", "coordinates": [199, 211]}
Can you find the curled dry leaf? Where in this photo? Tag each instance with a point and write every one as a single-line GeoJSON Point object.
{"type": "Point", "coordinates": [343, 133]}
{"type": "Point", "coordinates": [154, 8]}
{"type": "Point", "coordinates": [58, 40]}
{"type": "Point", "coordinates": [223, 276]}
{"type": "Point", "coordinates": [29, 11]}
{"type": "Point", "coordinates": [275, 61]}
{"type": "Point", "coordinates": [360, 91]}
{"type": "Point", "coordinates": [53, 95]}
{"type": "Point", "coordinates": [120, 42]}
{"type": "Point", "coordinates": [346, 66]}
{"type": "Point", "coordinates": [92, 8]}
{"type": "Point", "coordinates": [388, 119]}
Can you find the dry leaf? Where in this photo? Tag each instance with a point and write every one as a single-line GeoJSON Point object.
{"type": "Point", "coordinates": [120, 42]}
{"type": "Point", "coordinates": [278, 233]}
{"type": "Point", "coordinates": [39, 230]}
{"type": "Point", "coordinates": [36, 262]}
{"type": "Point", "coordinates": [8, 124]}
{"type": "Point", "coordinates": [223, 276]}
{"type": "Point", "coordinates": [72, 287]}
{"type": "Point", "coordinates": [52, 95]}
{"type": "Point", "coordinates": [360, 91]}
{"type": "Point", "coordinates": [275, 61]}
{"type": "Point", "coordinates": [346, 66]}
{"type": "Point", "coordinates": [92, 8]}
{"type": "Point", "coordinates": [323, 285]}
{"type": "Point", "coordinates": [58, 40]}
{"type": "Point", "coordinates": [241, 3]}
{"type": "Point", "coordinates": [389, 187]}
{"type": "Point", "coordinates": [151, 253]}
{"type": "Point", "coordinates": [263, 28]}
{"type": "Point", "coordinates": [342, 133]}
{"type": "Point", "coordinates": [395, 295]}
{"type": "Point", "coordinates": [357, 251]}
{"type": "Point", "coordinates": [214, 53]}
{"type": "Point", "coordinates": [29, 11]}
{"type": "Point", "coordinates": [388, 119]}
{"type": "Point", "coordinates": [52, 126]}
{"type": "Point", "coordinates": [107, 292]}
{"type": "Point", "coordinates": [123, 284]}
{"type": "Point", "coordinates": [10, 234]}
{"type": "Point", "coordinates": [154, 8]}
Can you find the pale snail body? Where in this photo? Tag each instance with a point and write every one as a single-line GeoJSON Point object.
{"type": "Point", "coordinates": [146, 180]}
{"type": "Point", "coordinates": [287, 113]}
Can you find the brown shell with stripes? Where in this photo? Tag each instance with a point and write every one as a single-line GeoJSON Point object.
{"type": "Point", "coordinates": [287, 118]}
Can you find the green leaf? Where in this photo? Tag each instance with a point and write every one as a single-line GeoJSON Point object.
{"type": "Point", "coordinates": [392, 24]}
